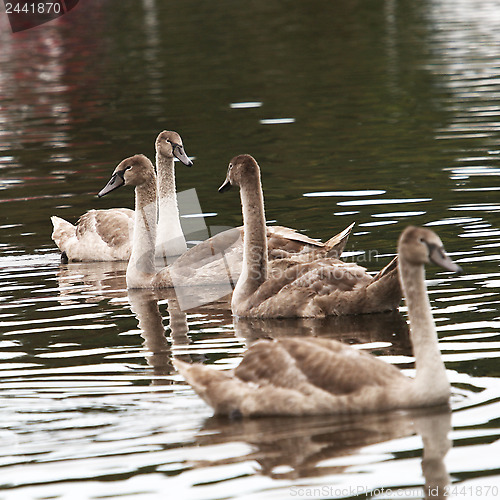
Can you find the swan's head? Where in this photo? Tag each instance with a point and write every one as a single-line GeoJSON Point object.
{"type": "Point", "coordinates": [242, 168]}
{"type": "Point", "coordinates": [132, 171]}
{"type": "Point", "coordinates": [420, 246]}
{"type": "Point", "coordinates": [169, 144]}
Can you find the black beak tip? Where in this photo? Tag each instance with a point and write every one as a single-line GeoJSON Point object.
{"type": "Point", "coordinates": [225, 187]}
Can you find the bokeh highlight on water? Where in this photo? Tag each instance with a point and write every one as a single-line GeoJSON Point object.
{"type": "Point", "coordinates": [383, 113]}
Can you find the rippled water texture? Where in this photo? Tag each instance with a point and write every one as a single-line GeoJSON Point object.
{"type": "Point", "coordinates": [381, 113]}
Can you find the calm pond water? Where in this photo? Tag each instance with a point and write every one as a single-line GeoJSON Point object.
{"type": "Point", "coordinates": [385, 113]}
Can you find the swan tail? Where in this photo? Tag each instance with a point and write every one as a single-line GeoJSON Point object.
{"type": "Point", "coordinates": [385, 288]}
{"type": "Point", "coordinates": [218, 389]}
{"type": "Point", "coordinates": [62, 231]}
{"type": "Point", "coordinates": [392, 267]}
{"type": "Point", "coordinates": [335, 245]}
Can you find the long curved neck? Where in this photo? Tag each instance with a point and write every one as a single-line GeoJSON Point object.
{"type": "Point", "coordinates": [430, 369]}
{"type": "Point", "coordinates": [254, 271]}
{"type": "Point", "coordinates": [170, 241]}
{"type": "Point", "coordinates": [141, 266]}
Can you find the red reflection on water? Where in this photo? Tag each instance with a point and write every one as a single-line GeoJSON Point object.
{"type": "Point", "coordinates": [48, 77]}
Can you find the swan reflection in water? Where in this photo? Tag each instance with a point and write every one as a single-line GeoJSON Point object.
{"type": "Point", "coordinates": [96, 281]}
{"type": "Point", "coordinates": [158, 340]}
{"type": "Point", "coordinates": [291, 448]}
{"type": "Point", "coordinates": [144, 304]}
{"type": "Point", "coordinates": [92, 281]}
{"type": "Point", "coordinates": [388, 330]}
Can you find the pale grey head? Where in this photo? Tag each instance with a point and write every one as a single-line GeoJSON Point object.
{"type": "Point", "coordinates": [169, 144]}
{"type": "Point", "coordinates": [132, 171]}
{"type": "Point", "coordinates": [421, 246]}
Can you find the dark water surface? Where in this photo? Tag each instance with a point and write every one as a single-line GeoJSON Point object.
{"type": "Point", "coordinates": [381, 113]}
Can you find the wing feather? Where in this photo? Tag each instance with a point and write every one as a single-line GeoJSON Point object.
{"type": "Point", "coordinates": [326, 364]}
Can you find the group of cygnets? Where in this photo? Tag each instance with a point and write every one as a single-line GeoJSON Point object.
{"type": "Point", "coordinates": [279, 273]}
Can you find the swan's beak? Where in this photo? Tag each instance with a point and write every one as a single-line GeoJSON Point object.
{"type": "Point", "coordinates": [115, 182]}
{"type": "Point", "coordinates": [181, 155]}
{"type": "Point", "coordinates": [226, 186]}
{"type": "Point", "coordinates": [439, 257]}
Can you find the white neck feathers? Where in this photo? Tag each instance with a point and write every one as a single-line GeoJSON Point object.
{"type": "Point", "coordinates": [170, 241]}
{"type": "Point", "coordinates": [141, 266]}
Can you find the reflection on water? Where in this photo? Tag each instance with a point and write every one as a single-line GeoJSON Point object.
{"type": "Point", "coordinates": [98, 280]}
{"type": "Point", "coordinates": [144, 305]}
{"type": "Point", "coordinates": [388, 330]}
{"type": "Point", "coordinates": [333, 446]}
{"type": "Point", "coordinates": [380, 113]}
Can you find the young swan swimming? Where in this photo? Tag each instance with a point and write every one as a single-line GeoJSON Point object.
{"type": "Point", "coordinates": [304, 376]}
{"type": "Point", "coordinates": [170, 240]}
{"type": "Point", "coordinates": [106, 235]}
{"type": "Point", "coordinates": [99, 235]}
{"type": "Point", "coordinates": [317, 288]}
{"type": "Point", "coordinates": [138, 171]}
